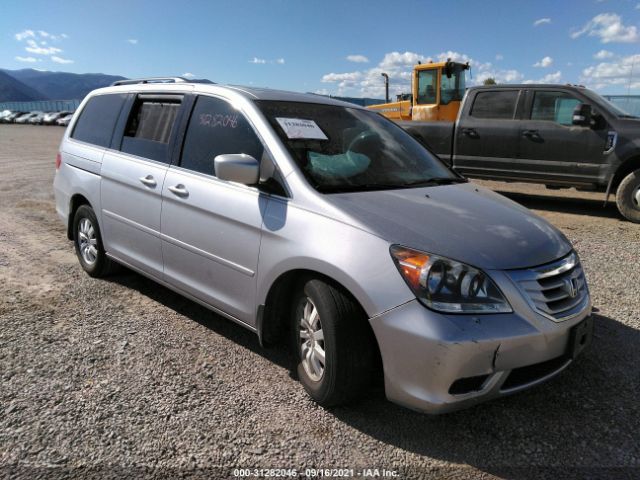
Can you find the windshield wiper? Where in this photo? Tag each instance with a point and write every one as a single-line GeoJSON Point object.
{"type": "Point", "coordinates": [436, 181]}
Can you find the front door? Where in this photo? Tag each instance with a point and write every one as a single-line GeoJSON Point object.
{"type": "Point", "coordinates": [552, 148]}
{"type": "Point", "coordinates": [211, 228]}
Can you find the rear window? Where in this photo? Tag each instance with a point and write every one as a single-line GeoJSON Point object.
{"type": "Point", "coordinates": [499, 104]}
{"type": "Point", "coordinates": [149, 128]}
{"type": "Point", "coordinates": [98, 119]}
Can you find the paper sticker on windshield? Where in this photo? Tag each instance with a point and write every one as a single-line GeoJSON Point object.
{"type": "Point", "coordinates": [298, 128]}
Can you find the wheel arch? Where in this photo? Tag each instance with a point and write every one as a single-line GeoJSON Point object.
{"type": "Point", "coordinates": [75, 202]}
{"type": "Point", "coordinates": [273, 314]}
{"type": "Point", "coordinates": [625, 168]}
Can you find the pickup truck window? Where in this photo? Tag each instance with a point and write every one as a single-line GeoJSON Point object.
{"type": "Point", "coordinates": [554, 106]}
{"type": "Point", "coordinates": [352, 149]}
{"type": "Point", "coordinates": [495, 104]}
{"type": "Point", "coordinates": [427, 82]}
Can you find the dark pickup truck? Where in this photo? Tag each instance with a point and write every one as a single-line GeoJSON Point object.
{"type": "Point", "coordinates": [557, 135]}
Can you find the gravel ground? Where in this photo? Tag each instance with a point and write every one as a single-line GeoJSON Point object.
{"type": "Point", "coordinates": [123, 378]}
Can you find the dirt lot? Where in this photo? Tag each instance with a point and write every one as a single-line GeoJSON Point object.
{"type": "Point", "coordinates": [125, 378]}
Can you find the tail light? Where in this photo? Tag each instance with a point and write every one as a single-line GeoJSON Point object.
{"type": "Point", "coordinates": [58, 160]}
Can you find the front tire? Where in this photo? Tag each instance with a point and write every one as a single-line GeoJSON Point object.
{"type": "Point", "coordinates": [628, 197]}
{"type": "Point", "coordinates": [333, 344]}
{"type": "Point", "coordinates": [88, 242]}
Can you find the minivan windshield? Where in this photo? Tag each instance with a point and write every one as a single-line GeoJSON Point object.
{"type": "Point", "coordinates": [342, 149]}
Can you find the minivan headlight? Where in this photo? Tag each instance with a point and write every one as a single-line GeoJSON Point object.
{"type": "Point", "coordinates": [446, 285]}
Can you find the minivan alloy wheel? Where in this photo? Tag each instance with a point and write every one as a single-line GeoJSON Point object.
{"type": "Point", "coordinates": [87, 241]}
{"type": "Point", "coordinates": [312, 351]}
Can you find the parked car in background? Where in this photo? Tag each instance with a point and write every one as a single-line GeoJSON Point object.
{"type": "Point", "coordinates": [4, 114]}
{"type": "Point", "coordinates": [36, 119]}
{"type": "Point", "coordinates": [51, 117]}
{"type": "Point", "coordinates": [11, 118]}
{"type": "Point", "coordinates": [64, 121]}
{"type": "Point", "coordinates": [24, 119]}
{"type": "Point", "coordinates": [558, 135]}
{"type": "Point", "coordinates": [324, 224]}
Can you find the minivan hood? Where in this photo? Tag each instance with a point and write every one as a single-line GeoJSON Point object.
{"type": "Point", "coordinates": [464, 222]}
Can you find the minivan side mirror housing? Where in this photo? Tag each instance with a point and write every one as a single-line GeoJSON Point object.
{"type": "Point", "coordinates": [582, 115]}
{"type": "Point", "coordinates": [238, 168]}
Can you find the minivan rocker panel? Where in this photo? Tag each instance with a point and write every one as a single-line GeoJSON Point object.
{"type": "Point", "coordinates": [349, 247]}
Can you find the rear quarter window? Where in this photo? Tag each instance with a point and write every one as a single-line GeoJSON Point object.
{"type": "Point", "coordinates": [98, 119]}
{"type": "Point", "coordinates": [497, 104]}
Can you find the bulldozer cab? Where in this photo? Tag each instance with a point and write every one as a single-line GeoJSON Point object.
{"type": "Point", "coordinates": [437, 90]}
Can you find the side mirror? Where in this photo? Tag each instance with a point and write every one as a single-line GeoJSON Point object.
{"type": "Point", "coordinates": [237, 167]}
{"type": "Point", "coordinates": [582, 115]}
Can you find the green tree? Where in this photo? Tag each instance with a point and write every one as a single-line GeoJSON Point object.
{"type": "Point", "coordinates": [489, 81]}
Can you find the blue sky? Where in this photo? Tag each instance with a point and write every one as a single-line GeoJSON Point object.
{"type": "Point", "coordinates": [333, 47]}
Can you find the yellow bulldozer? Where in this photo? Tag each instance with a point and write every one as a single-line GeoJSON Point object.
{"type": "Point", "coordinates": [436, 92]}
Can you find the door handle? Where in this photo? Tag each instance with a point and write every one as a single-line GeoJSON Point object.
{"type": "Point", "coordinates": [179, 190]}
{"type": "Point", "coordinates": [530, 133]}
{"type": "Point", "coordinates": [149, 181]}
{"type": "Point", "coordinates": [470, 132]}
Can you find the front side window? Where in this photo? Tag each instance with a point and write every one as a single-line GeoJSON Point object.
{"type": "Point", "coordinates": [495, 104]}
{"type": "Point", "coordinates": [341, 149]}
{"type": "Point", "coordinates": [427, 86]}
{"type": "Point", "coordinates": [453, 86]}
{"type": "Point", "coordinates": [149, 127]}
{"type": "Point", "coordinates": [217, 128]}
{"type": "Point", "coordinates": [556, 107]}
{"type": "Point", "coordinates": [98, 119]}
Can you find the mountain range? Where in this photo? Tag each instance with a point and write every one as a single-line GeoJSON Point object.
{"type": "Point", "coordinates": [29, 84]}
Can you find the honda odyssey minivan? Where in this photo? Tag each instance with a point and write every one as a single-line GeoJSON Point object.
{"type": "Point", "coordinates": [323, 227]}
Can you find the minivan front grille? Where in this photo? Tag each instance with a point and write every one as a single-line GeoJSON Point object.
{"type": "Point", "coordinates": [557, 290]}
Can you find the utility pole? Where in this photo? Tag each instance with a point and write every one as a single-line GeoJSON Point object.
{"type": "Point", "coordinates": [386, 87]}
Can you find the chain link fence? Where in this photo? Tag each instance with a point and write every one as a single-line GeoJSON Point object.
{"type": "Point", "coordinates": [41, 105]}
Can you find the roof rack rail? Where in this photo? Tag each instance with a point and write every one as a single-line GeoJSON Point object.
{"type": "Point", "coordinates": [150, 80]}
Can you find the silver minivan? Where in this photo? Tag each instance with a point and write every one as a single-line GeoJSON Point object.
{"type": "Point", "coordinates": [324, 226]}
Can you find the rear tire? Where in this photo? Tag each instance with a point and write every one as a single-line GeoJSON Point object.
{"type": "Point", "coordinates": [88, 242]}
{"type": "Point", "coordinates": [333, 344]}
{"type": "Point", "coordinates": [628, 197]}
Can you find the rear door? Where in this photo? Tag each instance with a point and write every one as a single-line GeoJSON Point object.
{"type": "Point", "coordinates": [552, 148]}
{"type": "Point", "coordinates": [133, 173]}
{"type": "Point", "coordinates": [486, 140]}
{"type": "Point", "coordinates": [211, 228]}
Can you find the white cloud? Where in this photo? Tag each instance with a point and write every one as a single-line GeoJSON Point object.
{"type": "Point", "coordinates": [25, 34]}
{"type": "Point", "coordinates": [64, 35]}
{"type": "Point", "coordinates": [33, 47]}
{"type": "Point", "coordinates": [258, 60]}
{"type": "Point", "coordinates": [603, 54]}
{"type": "Point", "coordinates": [618, 72]}
{"type": "Point", "coordinates": [188, 75]}
{"type": "Point", "coordinates": [357, 58]}
{"type": "Point", "coordinates": [541, 21]}
{"type": "Point", "coordinates": [132, 41]}
{"type": "Point", "coordinates": [60, 60]}
{"type": "Point", "coordinates": [548, 78]}
{"type": "Point", "coordinates": [499, 57]}
{"type": "Point", "coordinates": [638, 6]}
{"type": "Point", "coordinates": [280, 61]}
{"type": "Point", "coordinates": [43, 33]}
{"type": "Point", "coordinates": [609, 28]}
{"type": "Point", "coordinates": [27, 59]}
{"type": "Point", "coordinates": [544, 63]}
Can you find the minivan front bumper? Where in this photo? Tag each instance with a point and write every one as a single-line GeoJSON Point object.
{"type": "Point", "coordinates": [437, 363]}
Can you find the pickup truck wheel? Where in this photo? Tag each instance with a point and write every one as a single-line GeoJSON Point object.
{"type": "Point", "coordinates": [334, 351]}
{"type": "Point", "coordinates": [88, 243]}
{"type": "Point", "coordinates": [628, 197]}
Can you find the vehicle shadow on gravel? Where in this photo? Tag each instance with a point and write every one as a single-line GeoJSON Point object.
{"type": "Point", "coordinates": [205, 317]}
{"type": "Point", "coordinates": [572, 205]}
{"type": "Point", "coordinates": [578, 425]}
